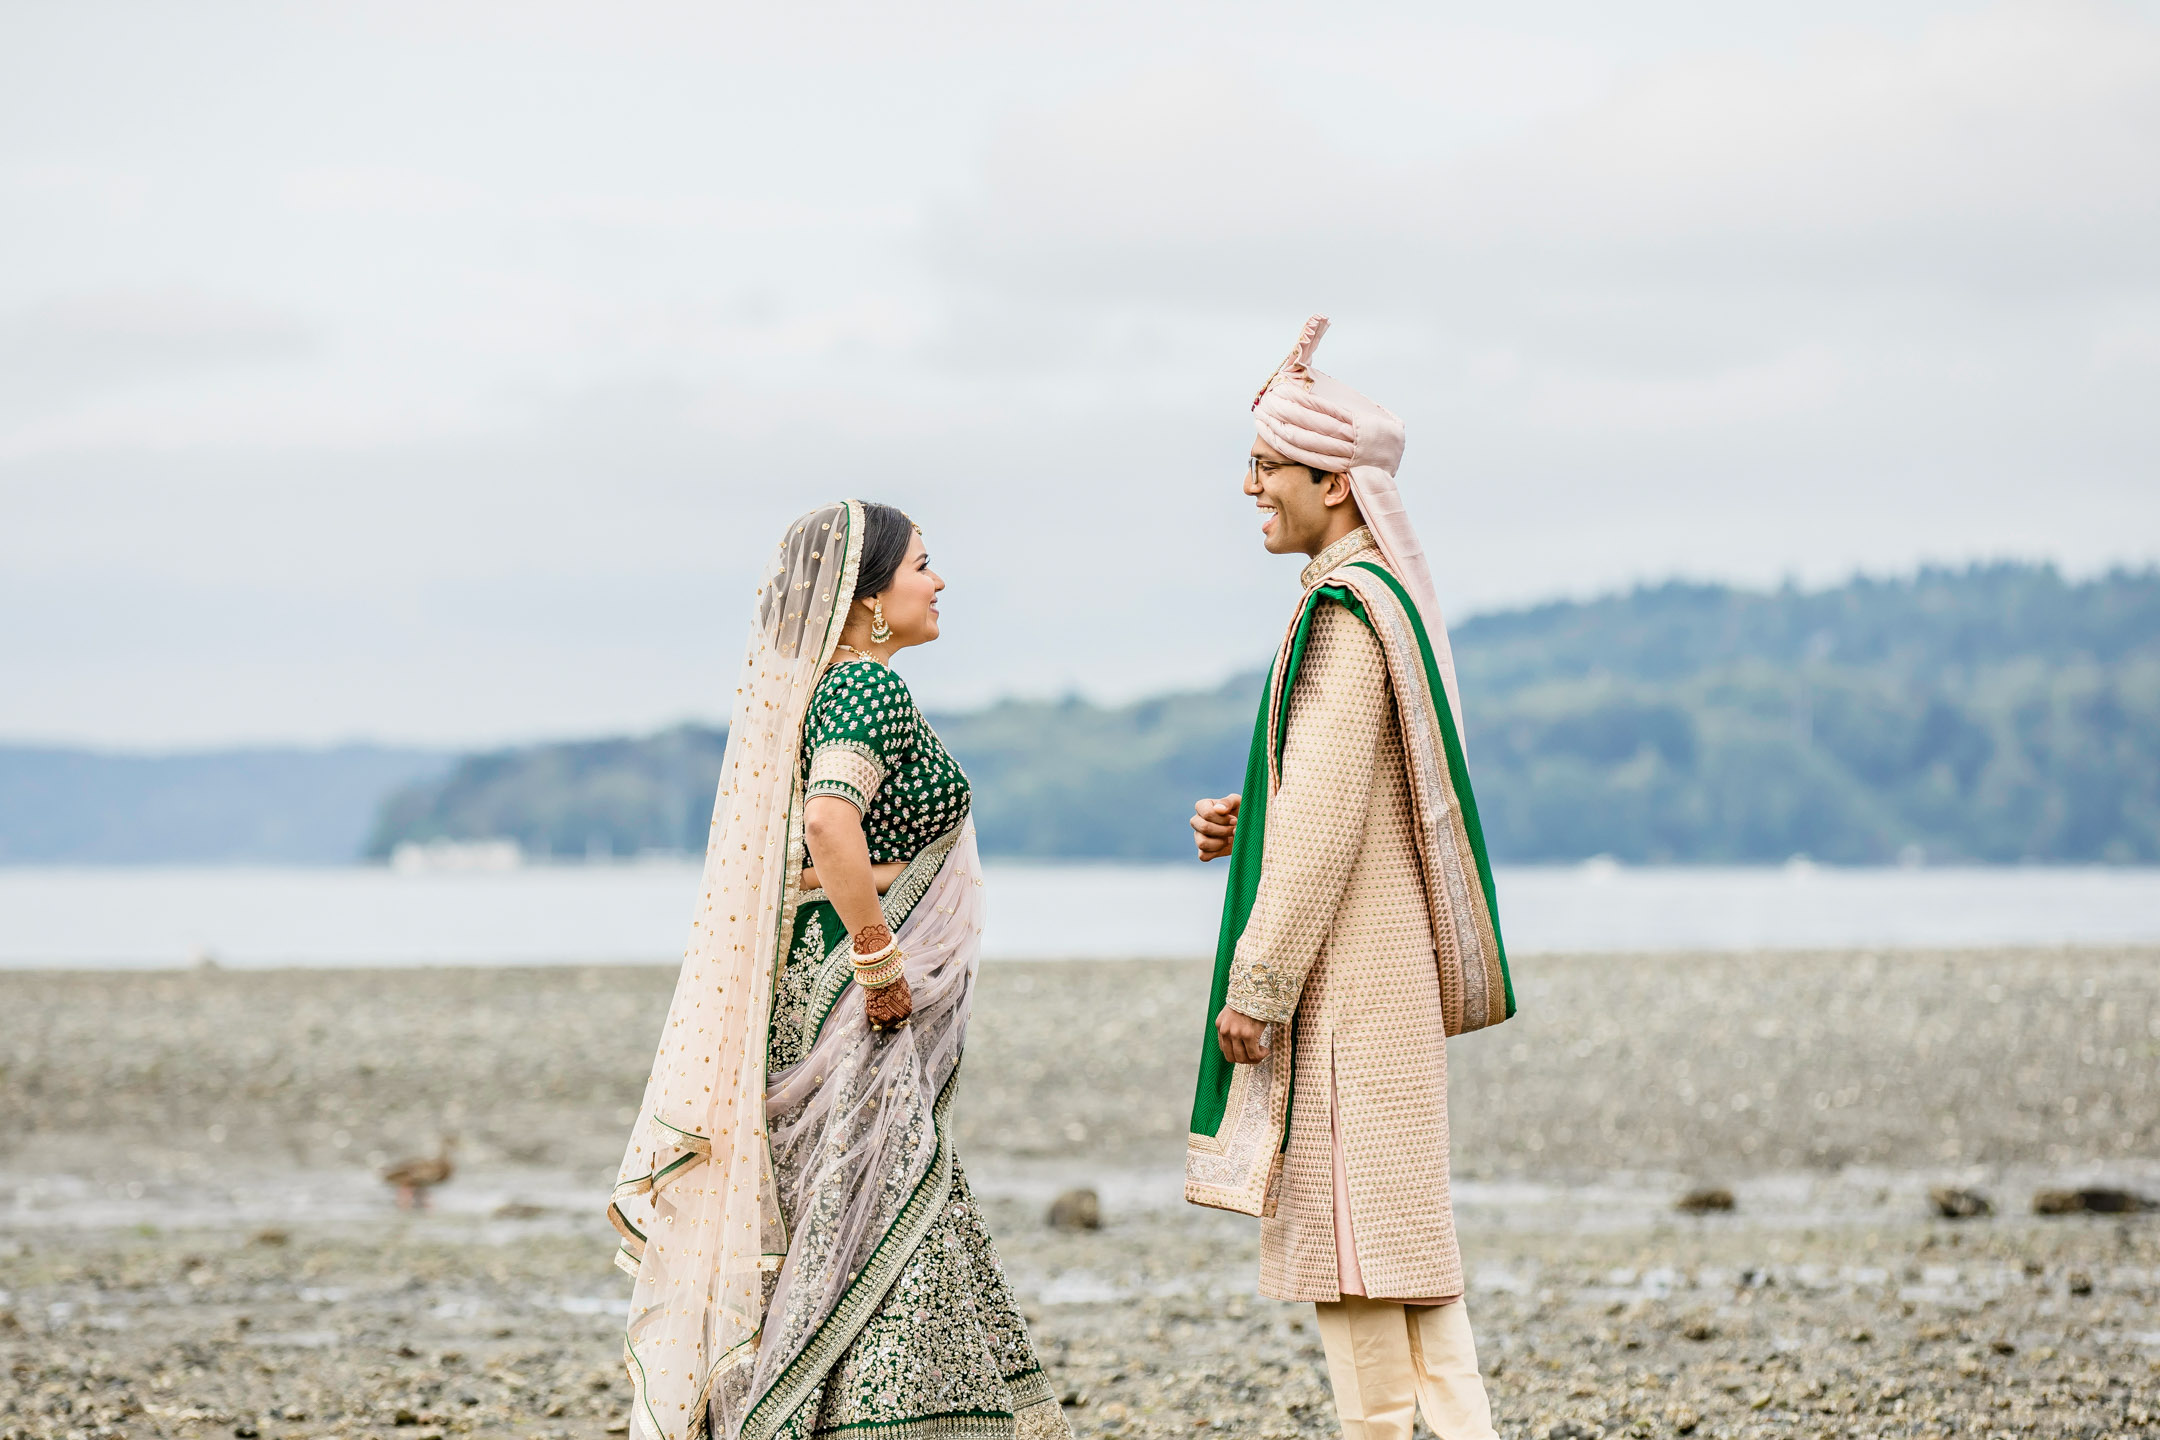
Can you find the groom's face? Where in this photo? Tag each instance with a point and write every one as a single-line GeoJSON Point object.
{"type": "Point", "coordinates": [1294, 503]}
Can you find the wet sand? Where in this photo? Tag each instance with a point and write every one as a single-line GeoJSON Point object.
{"type": "Point", "coordinates": [193, 1243]}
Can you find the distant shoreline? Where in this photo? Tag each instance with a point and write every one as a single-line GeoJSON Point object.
{"type": "Point", "coordinates": [262, 917]}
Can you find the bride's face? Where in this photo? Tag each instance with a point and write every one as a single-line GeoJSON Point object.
{"type": "Point", "coordinates": [911, 600]}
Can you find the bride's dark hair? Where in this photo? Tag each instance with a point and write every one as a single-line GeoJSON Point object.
{"type": "Point", "coordinates": [885, 540]}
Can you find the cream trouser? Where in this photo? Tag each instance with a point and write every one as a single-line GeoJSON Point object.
{"type": "Point", "coordinates": [1386, 1359]}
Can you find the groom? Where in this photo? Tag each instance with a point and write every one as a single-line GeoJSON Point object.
{"type": "Point", "coordinates": [1358, 929]}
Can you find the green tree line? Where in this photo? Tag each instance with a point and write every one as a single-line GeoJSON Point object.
{"type": "Point", "coordinates": [1992, 713]}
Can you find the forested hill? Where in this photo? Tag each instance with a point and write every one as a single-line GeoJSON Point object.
{"type": "Point", "coordinates": [1996, 713]}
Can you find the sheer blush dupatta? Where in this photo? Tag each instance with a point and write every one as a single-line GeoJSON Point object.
{"type": "Point", "coordinates": [694, 1201]}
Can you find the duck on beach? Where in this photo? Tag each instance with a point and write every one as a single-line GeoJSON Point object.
{"type": "Point", "coordinates": [415, 1177]}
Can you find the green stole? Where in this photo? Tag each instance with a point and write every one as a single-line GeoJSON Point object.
{"type": "Point", "coordinates": [1233, 1157]}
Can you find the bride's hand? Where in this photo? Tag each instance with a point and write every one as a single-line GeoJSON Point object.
{"type": "Point", "coordinates": [888, 1005]}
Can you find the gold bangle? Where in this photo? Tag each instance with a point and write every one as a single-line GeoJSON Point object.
{"type": "Point", "coordinates": [880, 970]}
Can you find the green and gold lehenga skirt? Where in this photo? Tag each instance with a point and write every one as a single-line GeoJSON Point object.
{"type": "Point", "coordinates": [890, 1313]}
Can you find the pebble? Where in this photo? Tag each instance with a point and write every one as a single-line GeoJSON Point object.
{"type": "Point", "coordinates": [1079, 1209]}
{"type": "Point", "coordinates": [1955, 1204]}
{"type": "Point", "coordinates": [2093, 1200]}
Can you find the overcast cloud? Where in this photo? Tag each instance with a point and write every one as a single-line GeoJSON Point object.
{"type": "Point", "coordinates": [439, 372]}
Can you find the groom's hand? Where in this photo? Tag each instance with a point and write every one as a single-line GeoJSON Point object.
{"type": "Point", "coordinates": [1214, 824]}
{"type": "Point", "coordinates": [1239, 1036]}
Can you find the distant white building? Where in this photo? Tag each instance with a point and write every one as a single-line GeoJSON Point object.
{"type": "Point", "coordinates": [414, 857]}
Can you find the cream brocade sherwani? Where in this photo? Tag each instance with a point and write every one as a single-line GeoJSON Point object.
{"type": "Point", "coordinates": [1341, 939]}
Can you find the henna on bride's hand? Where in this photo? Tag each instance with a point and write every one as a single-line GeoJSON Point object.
{"type": "Point", "coordinates": [872, 938]}
{"type": "Point", "coordinates": [888, 1005]}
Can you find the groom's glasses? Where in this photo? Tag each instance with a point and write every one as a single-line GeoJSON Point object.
{"type": "Point", "coordinates": [1256, 466]}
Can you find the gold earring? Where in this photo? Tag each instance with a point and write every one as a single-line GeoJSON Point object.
{"type": "Point", "coordinates": [880, 632]}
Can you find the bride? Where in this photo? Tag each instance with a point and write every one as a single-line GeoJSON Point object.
{"type": "Point", "coordinates": [808, 1257]}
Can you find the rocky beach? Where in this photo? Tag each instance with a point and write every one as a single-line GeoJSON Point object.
{"type": "Point", "coordinates": [194, 1241]}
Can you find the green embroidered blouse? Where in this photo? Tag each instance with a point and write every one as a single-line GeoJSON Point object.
{"type": "Point", "coordinates": [865, 742]}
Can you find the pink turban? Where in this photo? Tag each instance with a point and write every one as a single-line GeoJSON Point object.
{"type": "Point", "coordinates": [1316, 420]}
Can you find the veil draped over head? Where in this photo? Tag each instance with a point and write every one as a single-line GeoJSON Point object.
{"type": "Point", "coordinates": [694, 1201]}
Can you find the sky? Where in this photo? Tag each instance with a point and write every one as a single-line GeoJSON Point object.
{"type": "Point", "coordinates": [440, 373]}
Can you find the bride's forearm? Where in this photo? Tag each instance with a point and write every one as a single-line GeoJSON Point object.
{"type": "Point", "coordinates": [840, 857]}
{"type": "Point", "coordinates": [884, 872]}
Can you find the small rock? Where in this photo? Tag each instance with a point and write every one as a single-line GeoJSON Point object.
{"type": "Point", "coordinates": [245, 1431]}
{"type": "Point", "coordinates": [619, 1427]}
{"type": "Point", "coordinates": [1076, 1210]}
{"type": "Point", "coordinates": [270, 1236]}
{"type": "Point", "coordinates": [1073, 1399]}
{"type": "Point", "coordinates": [1699, 1329]}
{"type": "Point", "coordinates": [1703, 1202]}
{"type": "Point", "coordinates": [2080, 1283]}
{"type": "Point", "coordinates": [2002, 1347]}
{"type": "Point", "coordinates": [1684, 1421]}
{"type": "Point", "coordinates": [519, 1210]}
{"type": "Point", "coordinates": [1955, 1204]}
{"type": "Point", "coordinates": [2091, 1200]}
{"type": "Point", "coordinates": [1569, 1430]}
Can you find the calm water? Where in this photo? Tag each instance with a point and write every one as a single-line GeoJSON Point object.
{"type": "Point", "coordinates": [640, 913]}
